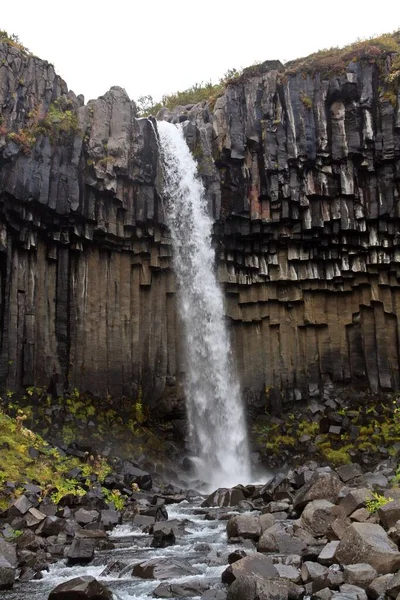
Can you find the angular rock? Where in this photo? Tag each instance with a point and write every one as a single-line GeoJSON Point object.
{"type": "Point", "coordinates": [328, 552]}
{"type": "Point", "coordinates": [252, 587]}
{"type": "Point", "coordinates": [224, 497]}
{"type": "Point", "coordinates": [7, 574]}
{"type": "Point", "coordinates": [133, 474]}
{"type": "Point", "coordinates": [353, 500]}
{"type": "Point", "coordinates": [244, 526]}
{"type": "Point", "coordinates": [321, 486]}
{"type": "Point", "coordinates": [83, 516]}
{"type": "Point", "coordinates": [369, 543]}
{"type": "Point", "coordinates": [349, 472]}
{"type": "Point", "coordinates": [163, 538]}
{"type": "Point", "coordinates": [8, 551]}
{"type": "Point", "coordinates": [180, 590]}
{"type": "Point", "coordinates": [378, 586]}
{"type": "Point", "coordinates": [254, 564]}
{"type": "Point", "coordinates": [163, 568]}
{"type": "Point", "coordinates": [81, 588]}
{"type": "Point", "coordinates": [317, 516]}
{"type": "Point", "coordinates": [360, 574]}
{"type": "Point", "coordinates": [353, 591]}
{"type": "Point", "coordinates": [288, 572]}
{"type": "Point", "coordinates": [81, 550]}
{"type": "Point", "coordinates": [389, 513]}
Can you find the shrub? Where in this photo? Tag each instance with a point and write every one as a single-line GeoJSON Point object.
{"type": "Point", "coordinates": [376, 502]}
{"type": "Point", "coordinates": [12, 40]}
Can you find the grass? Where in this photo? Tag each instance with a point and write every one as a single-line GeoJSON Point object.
{"type": "Point", "coordinates": [334, 60]}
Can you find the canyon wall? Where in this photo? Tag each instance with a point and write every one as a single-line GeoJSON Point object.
{"type": "Point", "coordinates": [302, 171]}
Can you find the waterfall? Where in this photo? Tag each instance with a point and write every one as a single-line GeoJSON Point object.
{"type": "Point", "coordinates": [217, 427]}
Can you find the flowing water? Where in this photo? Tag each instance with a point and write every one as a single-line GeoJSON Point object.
{"type": "Point", "coordinates": [132, 546]}
{"type": "Point", "coordinates": [214, 406]}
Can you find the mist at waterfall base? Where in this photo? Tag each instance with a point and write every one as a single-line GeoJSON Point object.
{"type": "Point", "coordinates": [217, 424]}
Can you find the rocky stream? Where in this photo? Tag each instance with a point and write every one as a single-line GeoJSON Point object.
{"type": "Point", "coordinates": [308, 532]}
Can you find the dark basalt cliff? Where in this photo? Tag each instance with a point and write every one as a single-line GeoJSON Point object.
{"type": "Point", "coordinates": [302, 171]}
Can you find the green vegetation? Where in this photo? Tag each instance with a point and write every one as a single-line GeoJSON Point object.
{"type": "Point", "coordinates": [368, 427]}
{"type": "Point", "coordinates": [334, 60]}
{"type": "Point", "coordinates": [58, 123]}
{"type": "Point", "coordinates": [27, 457]}
{"type": "Point", "coordinates": [196, 93]}
{"type": "Point", "coordinates": [12, 40]}
{"type": "Point", "coordinates": [307, 102]}
{"type": "Point", "coordinates": [377, 501]}
{"type": "Point", "coordinates": [87, 420]}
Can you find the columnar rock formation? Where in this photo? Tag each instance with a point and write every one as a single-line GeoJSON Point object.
{"type": "Point", "coordinates": [302, 170]}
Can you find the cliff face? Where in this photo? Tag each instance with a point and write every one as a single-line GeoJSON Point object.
{"type": "Point", "coordinates": [302, 171]}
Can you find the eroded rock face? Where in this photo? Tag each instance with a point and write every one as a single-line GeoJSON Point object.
{"type": "Point", "coordinates": [302, 177]}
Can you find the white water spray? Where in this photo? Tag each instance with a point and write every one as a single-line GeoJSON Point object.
{"type": "Point", "coordinates": [214, 407]}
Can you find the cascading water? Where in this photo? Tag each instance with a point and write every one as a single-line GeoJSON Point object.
{"type": "Point", "coordinates": [214, 407]}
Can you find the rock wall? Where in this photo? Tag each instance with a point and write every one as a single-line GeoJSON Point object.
{"type": "Point", "coordinates": [308, 230]}
{"type": "Point", "coordinates": [302, 173]}
{"type": "Point", "coordinates": [87, 295]}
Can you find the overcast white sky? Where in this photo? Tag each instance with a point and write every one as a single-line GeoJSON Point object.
{"type": "Point", "coordinates": [160, 47]}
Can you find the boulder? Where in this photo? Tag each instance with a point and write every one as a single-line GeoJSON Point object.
{"type": "Point", "coordinates": [51, 526]}
{"type": "Point", "coordinates": [321, 486]}
{"type": "Point", "coordinates": [360, 574]}
{"type": "Point", "coordinates": [163, 568]}
{"type": "Point", "coordinates": [81, 588]}
{"type": "Point", "coordinates": [187, 589]}
{"type": "Point", "coordinates": [266, 521]}
{"type": "Point", "coordinates": [33, 517]}
{"type": "Point", "coordinates": [353, 591]}
{"type": "Point", "coordinates": [353, 500]}
{"type": "Point", "coordinates": [316, 574]}
{"type": "Point", "coordinates": [253, 587]}
{"type": "Point", "coordinates": [393, 589]}
{"type": "Point", "coordinates": [389, 513]}
{"type": "Point", "coordinates": [288, 572]}
{"type": "Point", "coordinates": [255, 564]}
{"type": "Point", "coordinates": [214, 594]}
{"type": "Point", "coordinates": [244, 526]}
{"type": "Point", "coordinates": [84, 517]}
{"type": "Point", "coordinates": [81, 550]}
{"type": "Point", "coordinates": [8, 551]}
{"type": "Point", "coordinates": [369, 543]}
{"type": "Point", "coordinates": [378, 586]}
{"type": "Point", "coordinates": [133, 474]}
{"type": "Point", "coordinates": [349, 472]}
{"type": "Point", "coordinates": [317, 516]}
{"type": "Point", "coordinates": [7, 574]}
{"type": "Point", "coordinates": [328, 552]}
{"type": "Point", "coordinates": [276, 539]}
{"type": "Point", "coordinates": [163, 538]}
{"type": "Point", "coordinates": [224, 497]}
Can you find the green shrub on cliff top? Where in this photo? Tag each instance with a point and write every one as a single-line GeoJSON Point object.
{"type": "Point", "coordinates": [12, 40]}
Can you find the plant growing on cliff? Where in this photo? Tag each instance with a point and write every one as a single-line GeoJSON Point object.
{"type": "Point", "coordinates": [12, 40]}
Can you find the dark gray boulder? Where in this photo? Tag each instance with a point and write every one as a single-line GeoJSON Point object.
{"type": "Point", "coordinates": [7, 574]}
{"type": "Point", "coordinates": [81, 588]}
{"type": "Point", "coordinates": [368, 543]}
{"type": "Point", "coordinates": [244, 526]}
{"type": "Point", "coordinates": [163, 568]}
{"type": "Point", "coordinates": [225, 497]}
{"type": "Point", "coordinates": [81, 550]}
{"type": "Point", "coordinates": [254, 564]}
